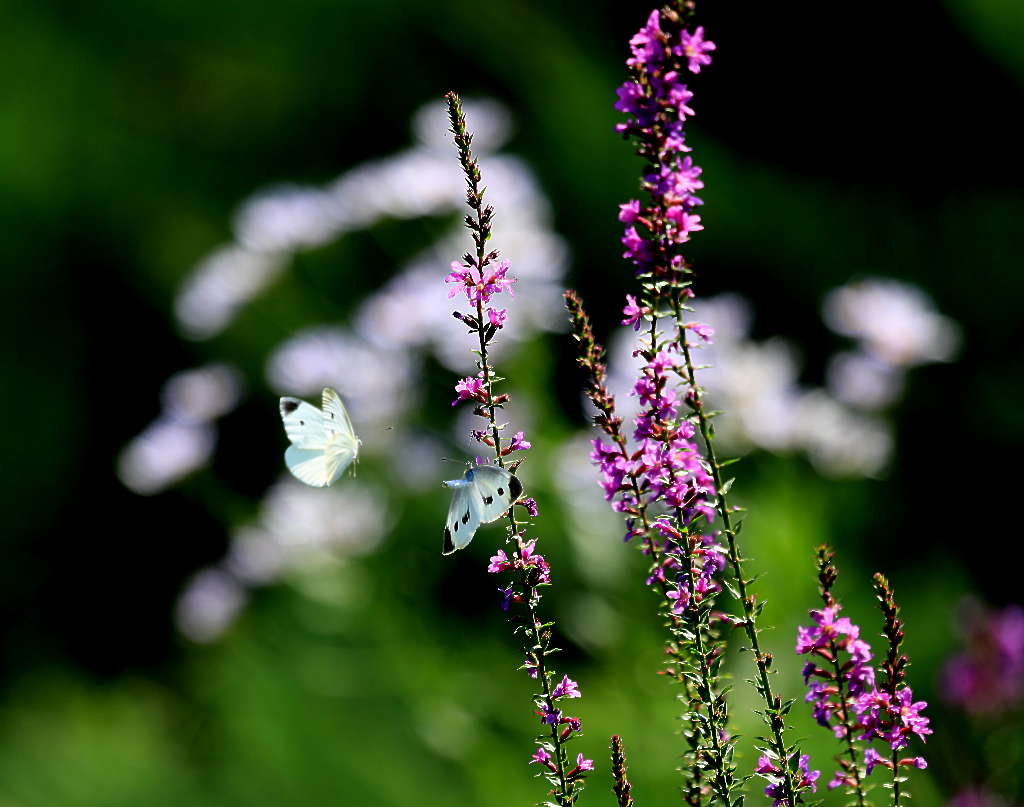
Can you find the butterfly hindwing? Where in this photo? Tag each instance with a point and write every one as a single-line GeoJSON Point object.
{"type": "Point", "coordinates": [311, 465]}
{"type": "Point", "coordinates": [463, 520]}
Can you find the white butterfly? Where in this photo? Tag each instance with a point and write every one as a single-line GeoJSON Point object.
{"type": "Point", "coordinates": [483, 495]}
{"type": "Point", "coordinates": [324, 443]}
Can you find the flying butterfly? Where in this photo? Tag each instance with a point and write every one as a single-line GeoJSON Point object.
{"type": "Point", "coordinates": [483, 495]}
{"type": "Point", "coordinates": [324, 443]}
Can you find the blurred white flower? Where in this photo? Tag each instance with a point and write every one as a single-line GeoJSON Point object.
{"type": "Point", "coordinates": [181, 440]}
{"type": "Point", "coordinates": [896, 321]}
{"type": "Point", "coordinates": [165, 452]}
{"type": "Point", "coordinates": [863, 380]}
{"type": "Point", "coordinates": [374, 380]}
{"type": "Point", "coordinates": [840, 442]}
{"type": "Point", "coordinates": [202, 394]}
{"type": "Point", "coordinates": [208, 605]}
{"type": "Point", "coordinates": [220, 286]}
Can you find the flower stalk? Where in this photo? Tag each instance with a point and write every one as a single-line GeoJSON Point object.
{"type": "Point", "coordinates": [481, 276]}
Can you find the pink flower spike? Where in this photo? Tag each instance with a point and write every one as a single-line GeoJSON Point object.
{"type": "Point", "coordinates": [584, 764]}
{"type": "Point", "coordinates": [497, 316]}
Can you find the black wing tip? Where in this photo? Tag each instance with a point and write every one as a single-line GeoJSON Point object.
{"type": "Point", "coordinates": [289, 405]}
{"type": "Point", "coordinates": [447, 547]}
{"type": "Point", "coordinates": [515, 487]}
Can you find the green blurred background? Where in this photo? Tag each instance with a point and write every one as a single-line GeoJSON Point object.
{"type": "Point", "coordinates": [837, 143]}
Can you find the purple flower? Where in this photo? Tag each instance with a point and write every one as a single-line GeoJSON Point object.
{"type": "Point", "coordinates": [541, 756]}
{"type": "Point", "coordinates": [582, 765]}
{"type": "Point", "coordinates": [507, 595]}
{"type": "Point", "coordinates": [497, 316]}
{"type": "Point", "coordinates": [891, 719]}
{"type": "Point", "coordinates": [499, 563]}
{"type": "Point", "coordinates": [629, 211]}
{"type": "Point", "coordinates": [519, 443]}
{"type": "Point", "coordinates": [566, 688]}
{"type": "Point", "coordinates": [807, 778]}
{"type": "Point", "coordinates": [646, 44]}
{"type": "Point", "coordinates": [705, 332]}
{"type": "Point", "coordinates": [695, 48]}
{"type": "Point", "coordinates": [633, 312]}
{"type": "Point", "coordinates": [531, 506]}
{"type": "Point", "coordinates": [470, 388]}
{"type": "Point", "coordinates": [550, 715]}
{"type": "Point", "coordinates": [680, 599]}
{"type": "Point", "coordinates": [988, 676]}
{"type": "Point", "coordinates": [873, 758]}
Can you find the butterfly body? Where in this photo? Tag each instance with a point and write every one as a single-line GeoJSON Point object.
{"type": "Point", "coordinates": [323, 441]}
{"type": "Point", "coordinates": [482, 495]}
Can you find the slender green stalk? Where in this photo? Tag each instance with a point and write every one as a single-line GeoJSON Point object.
{"type": "Point", "coordinates": [773, 703]}
{"type": "Point", "coordinates": [479, 224]}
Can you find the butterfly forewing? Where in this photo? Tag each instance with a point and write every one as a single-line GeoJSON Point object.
{"type": "Point", "coordinates": [497, 489]}
{"type": "Point", "coordinates": [303, 423]}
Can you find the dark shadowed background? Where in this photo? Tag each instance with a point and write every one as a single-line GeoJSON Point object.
{"type": "Point", "coordinates": [838, 144]}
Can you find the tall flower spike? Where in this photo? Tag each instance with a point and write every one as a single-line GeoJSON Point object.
{"type": "Point", "coordinates": [684, 563]}
{"type": "Point", "coordinates": [620, 777]}
{"type": "Point", "coordinates": [481, 276]}
{"type": "Point", "coordinates": [841, 664]}
{"type": "Point", "coordinates": [889, 712]}
{"type": "Point", "coordinates": [667, 464]}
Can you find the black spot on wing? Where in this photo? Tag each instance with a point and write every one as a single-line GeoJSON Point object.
{"type": "Point", "coordinates": [488, 499]}
{"type": "Point", "coordinates": [289, 405]}
{"type": "Point", "coordinates": [501, 491]}
{"type": "Point", "coordinates": [515, 488]}
{"type": "Point", "coordinates": [465, 517]}
{"type": "Point", "coordinates": [447, 547]}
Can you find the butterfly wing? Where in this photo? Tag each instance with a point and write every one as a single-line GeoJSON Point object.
{"type": "Point", "coordinates": [495, 489]}
{"type": "Point", "coordinates": [313, 466]}
{"type": "Point", "coordinates": [463, 520]}
{"type": "Point", "coordinates": [304, 424]}
{"type": "Point", "coordinates": [342, 445]}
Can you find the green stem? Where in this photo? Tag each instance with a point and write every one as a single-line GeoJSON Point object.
{"type": "Point", "coordinates": [773, 703]}
{"type": "Point", "coordinates": [722, 782]}
{"type": "Point", "coordinates": [845, 715]}
{"type": "Point", "coordinates": [564, 796]}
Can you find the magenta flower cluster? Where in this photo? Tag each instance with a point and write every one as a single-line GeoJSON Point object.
{"type": "Point", "coordinates": [988, 676]}
{"type": "Point", "coordinates": [892, 718]}
{"type": "Point", "coordinates": [656, 103]}
{"type": "Point", "coordinates": [837, 641]}
{"type": "Point", "coordinates": [666, 464]}
{"type": "Point", "coordinates": [769, 769]}
{"type": "Point", "coordinates": [552, 714]}
{"type": "Point", "coordinates": [847, 683]}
